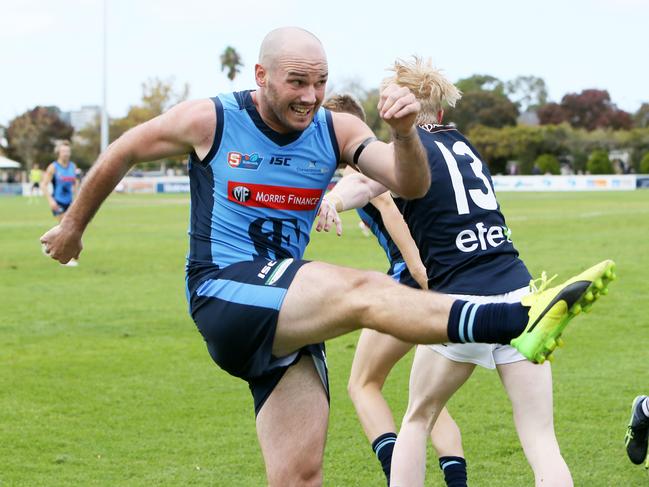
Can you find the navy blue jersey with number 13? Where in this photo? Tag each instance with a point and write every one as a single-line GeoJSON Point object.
{"type": "Point", "coordinates": [461, 234]}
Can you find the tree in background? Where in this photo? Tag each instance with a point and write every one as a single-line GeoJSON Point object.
{"type": "Point", "coordinates": [548, 164]}
{"type": "Point", "coordinates": [157, 97]}
{"type": "Point", "coordinates": [641, 117]}
{"type": "Point", "coordinates": [599, 163]}
{"type": "Point", "coordinates": [481, 82]}
{"type": "Point", "coordinates": [3, 140]}
{"type": "Point", "coordinates": [31, 136]}
{"type": "Point", "coordinates": [638, 141]}
{"type": "Point", "coordinates": [483, 102]}
{"type": "Point", "coordinates": [520, 143]}
{"type": "Point", "coordinates": [372, 117]}
{"type": "Point", "coordinates": [369, 100]}
{"type": "Point", "coordinates": [231, 60]}
{"type": "Point", "coordinates": [527, 92]}
{"type": "Point", "coordinates": [552, 114]}
{"type": "Point", "coordinates": [590, 110]}
{"type": "Point", "coordinates": [644, 164]}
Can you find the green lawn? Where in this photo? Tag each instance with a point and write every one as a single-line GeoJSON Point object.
{"type": "Point", "coordinates": [105, 381]}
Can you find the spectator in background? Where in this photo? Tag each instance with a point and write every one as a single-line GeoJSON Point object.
{"type": "Point", "coordinates": [35, 176]}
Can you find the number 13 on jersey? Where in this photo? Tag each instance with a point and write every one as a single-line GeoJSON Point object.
{"type": "Point", "coordinates": [484, 200]}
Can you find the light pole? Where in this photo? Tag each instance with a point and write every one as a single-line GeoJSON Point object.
{"type": "Point", "coordinates": [104, 108]}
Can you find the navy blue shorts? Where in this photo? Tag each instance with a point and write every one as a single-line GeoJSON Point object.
{"type": "Point", "coordinates": [236, 310]}
{"type": "Point", "coordinates": [63, 207]}
{"type": "Point", "coordinates": [400, 273]}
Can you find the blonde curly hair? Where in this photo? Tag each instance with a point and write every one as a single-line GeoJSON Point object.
{"type": "Point", "coordinates": [427, 83]}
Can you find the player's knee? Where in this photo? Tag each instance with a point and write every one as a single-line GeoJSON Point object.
{"type": "Point", "coordinates": [364, 292]}
{"type": "Point", "coordinates": [304, 472]}
{"type": "Point", "coordinates": [310, 474]}
{"type": "Point", "coordinates": [422, 415]}
{"type": "Point", "coordinates": [359, 386]}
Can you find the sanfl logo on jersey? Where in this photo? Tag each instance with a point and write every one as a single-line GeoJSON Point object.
{"type": "Point", "coordinates": [244, 161]}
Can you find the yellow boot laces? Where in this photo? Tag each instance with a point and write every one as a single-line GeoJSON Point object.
{"type": "Point", "coordinates": [543, 283]}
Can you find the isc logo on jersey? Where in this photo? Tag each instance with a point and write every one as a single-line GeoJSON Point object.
{"type": "Point", "coordinates": [482, 238]}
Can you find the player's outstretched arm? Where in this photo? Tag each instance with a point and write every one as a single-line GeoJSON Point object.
{"type": "Point", "coordinates": [400, 234]}
{"type": "Point", "coordinates": [186, 127]}
{"type": "Point", "coordinates": [353, 190]}
{"type": "Point", "coordinates": [401, 166]}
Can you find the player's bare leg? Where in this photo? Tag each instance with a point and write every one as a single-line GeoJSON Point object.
{"type": "Point", "coordinates": [376, 354]}
{"type": "Point", "coordinates": [529, 387]}
{"type": "Point", "coordinates": [446, 436]}
{"type": "Point", "coordinates": [325, 301]}
{"type": "Point", "coordinates": [433, 380]}
{"type": "Point", "coordinates": [292, 428]}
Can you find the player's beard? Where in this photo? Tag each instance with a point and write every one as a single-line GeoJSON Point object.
{"type": "Point", "coordinates": [281, 111]}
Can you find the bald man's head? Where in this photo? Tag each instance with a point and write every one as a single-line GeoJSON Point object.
{"type": "Point", "coordinates": [292, 78]}
{"type": "Point", "coordinates": [290, 42]}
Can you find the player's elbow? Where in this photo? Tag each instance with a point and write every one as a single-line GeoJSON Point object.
{"type": "Point", "coordinates": [415, 187]}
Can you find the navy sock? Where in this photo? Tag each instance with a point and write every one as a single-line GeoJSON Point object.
{"type": "Point", "coordinates": [486, 323]}
{"type": "Point", "coordinates": [454, 469]}
{"type": "Point", "coordinates": [382, 447]}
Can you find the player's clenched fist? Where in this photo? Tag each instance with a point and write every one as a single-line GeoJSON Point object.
{"type": "Point", "coordinates": [61, 244]}
{"type": "Point", "coordinates": [398, 107]}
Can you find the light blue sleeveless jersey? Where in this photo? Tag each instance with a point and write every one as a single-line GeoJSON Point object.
{"type": "Point", "coordinates": [256, 193]}
{"type": "Point", "coordinates": [63, 182]}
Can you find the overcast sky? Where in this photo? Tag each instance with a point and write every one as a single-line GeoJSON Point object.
{"type": "Point", "coordinates": [51, 49]}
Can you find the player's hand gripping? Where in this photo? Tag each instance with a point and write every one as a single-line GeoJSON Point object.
{"type": "Point", "coordinates": [62, 244]}
{"type": "Point", "coordinates": [328, 216]}
{"type": "Point", "coordinates": [399, 108]}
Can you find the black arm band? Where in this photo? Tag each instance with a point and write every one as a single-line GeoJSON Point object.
{"type": "Point", "coordinates": [361, 148]}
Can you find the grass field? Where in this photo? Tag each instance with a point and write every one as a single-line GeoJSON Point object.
{"type": "Point", "coordinates": [105, 381]}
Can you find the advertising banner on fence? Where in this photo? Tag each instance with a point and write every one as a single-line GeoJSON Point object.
{"type": "Point", "coordinates": [626, 182]}
{"type": "Point", "coordinates": [162, 184]}
{"type": "Point", "coordinates": [565, 183]}
{"type": "Point", "coordinates": [642, 181]}
{"type": "Point", "coordinates": [175, 186]}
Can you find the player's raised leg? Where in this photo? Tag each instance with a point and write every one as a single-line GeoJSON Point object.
{"type": "Point", "coordinates": [529, 387]}
{"type": "Point", "coordinates": [325, 301]}
{"type": "Point", "coordinates": [292, 428]}
{"type": "Point", "coordinates": [433, 380]}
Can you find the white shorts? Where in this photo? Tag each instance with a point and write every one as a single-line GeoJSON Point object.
{"type": "Point", "coordinates": [486, 355]}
